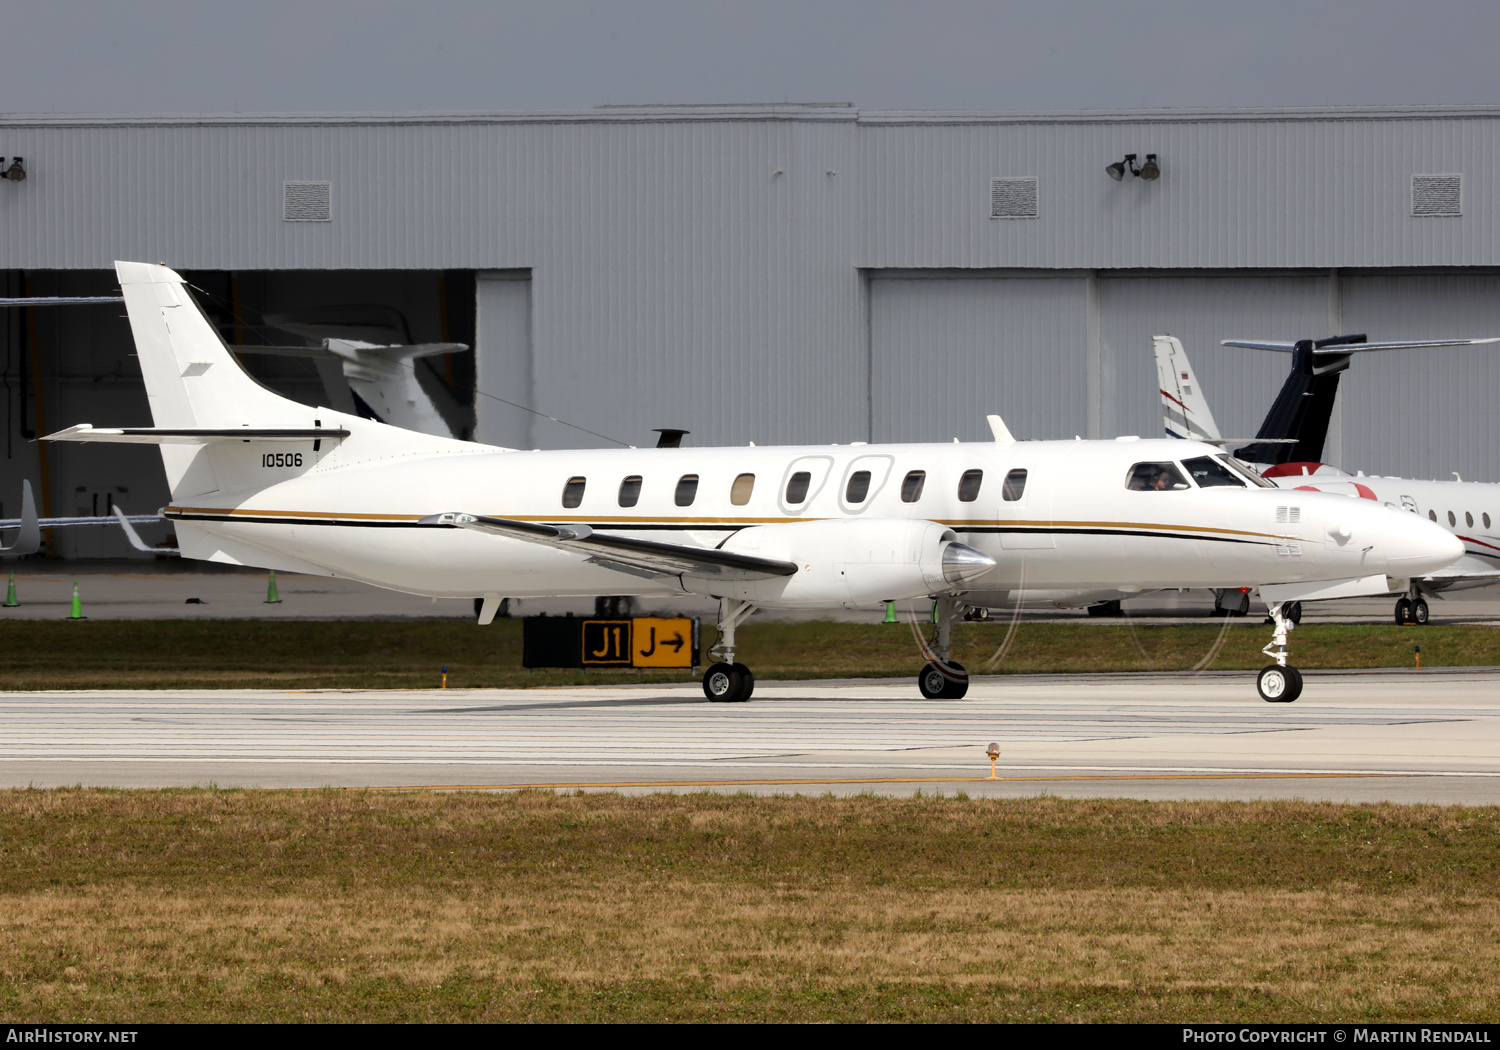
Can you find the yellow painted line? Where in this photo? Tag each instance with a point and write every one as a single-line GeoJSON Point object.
{"type": "Point", "coordinates": [881, 780]}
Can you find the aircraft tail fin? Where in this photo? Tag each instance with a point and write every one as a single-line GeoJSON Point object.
{"type": "Point", "coordinates": [1297, 423]}
{"type": "Point", "coordinates": [1185, 411]}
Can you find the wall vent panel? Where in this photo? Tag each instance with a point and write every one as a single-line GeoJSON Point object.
{"type": "Point", "coordinates": [1437, 195]}
{"type": "Point", "coordinates": [1013, 198]}
{"type": "Point", "coordinates": [307, 201]}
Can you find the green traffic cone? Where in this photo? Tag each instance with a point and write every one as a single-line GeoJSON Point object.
{"type": "Point", "coordinates": [10, 593]}
{"type": "Point", "coordinates": [890, 613]}
{"type": "Point", "coordinates": [934, 612]}
{"type": "Point", "coordinates": [77, 613]}
{"type": "Point", "coordinates": [272, 598]}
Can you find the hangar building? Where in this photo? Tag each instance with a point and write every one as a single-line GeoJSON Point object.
{"type": "Point", "coordinates": [776, 274]}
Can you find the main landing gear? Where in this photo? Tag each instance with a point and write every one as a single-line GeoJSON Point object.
{"type": "Point", "coordinates": [1279, 683]}
{"type": "Point", "coordinates": [943, 679]}
{"type": "Point", "coordinates": [726, 682]}
{"type": "Point", "coordinates": [1412, 611]}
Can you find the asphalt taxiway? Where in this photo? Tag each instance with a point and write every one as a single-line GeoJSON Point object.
{"type": "Point", "coordinates": [1406, 736]}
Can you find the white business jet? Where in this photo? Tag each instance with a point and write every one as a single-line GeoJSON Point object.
{"type": "Point", "coordinates": [1289, 444]}
{"type": "Point", "coordinates": [259, 480]}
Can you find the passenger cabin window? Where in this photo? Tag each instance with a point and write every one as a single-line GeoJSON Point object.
{"type": "Point", "coordinates": [796, 486]}
{"type": "Point", "coordinates": [911, 486]}
{"type": "Point", "coordinates": [1209, 473]}
{"type": "Point", "coordinates": [1014, 487]}
{"type": "Point", "coordinates": [687, 490]}
{"type": "Point", "coordinates": [968, 485]}
{"type": "Point", "coordinates": [573, 492]}
{"type": "Point", "coordinates": [1432, 515]}
{"type": "Point", "coordinates": [630, 491]}
{"type": "Point", "coordinates": [1468, 519]}
{"type": "Point", "coordinates": [858, 488]}
{"type": "Point", "coordinates": [1452, 521]}
{"type": "Point", "coordinates": [1486, 520]}
{"type": "Point", "coordinates": [739, 492]}
{"type": "Point", "coordinates": [1155, 477]}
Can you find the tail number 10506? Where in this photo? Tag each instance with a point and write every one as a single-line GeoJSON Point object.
{"type": "Point", "coordinates": [281, 459]}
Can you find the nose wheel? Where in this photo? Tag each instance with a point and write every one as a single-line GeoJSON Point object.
{"type": "Point", "coordinates": [1279, 685]}
{"type": "Point", "coordinates": [1412, 611]}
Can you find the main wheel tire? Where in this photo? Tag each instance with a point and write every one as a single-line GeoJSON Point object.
{"type": "Point", "coordinates": [1293, 611]}
{"type": "Point", "coordinates": [1403, 611]}
{"type": "Point", "coordinates": [1106, 609]}
{"type": "Point", "coordinates": [1279, 685]}
{"type": "Point", "coordinates": [747, 682]}
{"type": "Point", "coordinates": [722, 684]}
{"type": "Point", "coordinates": [1243, 607]}
{"type": "Point", "coordinates": [958, 682]}
{"type": "Point", "coordinates": [931, 682]}
{"type": "Point", "coordinates": [1420, 612]}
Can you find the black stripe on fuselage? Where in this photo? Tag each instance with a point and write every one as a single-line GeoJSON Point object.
{"type": "Point", "coordinates": [991, 530]}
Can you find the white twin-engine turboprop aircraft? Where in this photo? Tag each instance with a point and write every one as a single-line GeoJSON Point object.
{"type": "Point", "coordinates": [259, 480]}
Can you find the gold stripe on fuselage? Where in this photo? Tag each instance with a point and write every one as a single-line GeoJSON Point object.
{"type": "Point", "coordinates": [686, 522]}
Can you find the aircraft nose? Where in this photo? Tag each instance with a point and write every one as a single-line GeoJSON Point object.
{"type": "Point", "coordinates": [1421, 547]}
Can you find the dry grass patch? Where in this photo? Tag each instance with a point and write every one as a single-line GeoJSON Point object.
{"type": "Point", "coordinates": [146, 906]}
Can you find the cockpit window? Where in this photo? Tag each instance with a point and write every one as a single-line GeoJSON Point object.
{"type": "Point", "coordinates": [1245, 472]}
{"type": "Point", "coordinates": [1208, 473]}
{"type": "Point", "coordinates": [1155, 477]}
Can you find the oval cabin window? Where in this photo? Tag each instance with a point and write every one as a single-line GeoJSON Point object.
{"type": "Point", "coordinates": [858, 488]}
{"type": "Point", "coordinates": [1486, 520]}
{"type": "Point", "coordinates": [911, 486]}
{"type": "Point", "coordinates": [796, 486]}
{"type": "Point", "coordinates": [573, 492]}
{"type": "Point", "coordinates": [968, 485]}
{"type": "Point", "coordinates": [739, 492]}
{"type": "Point", "coordinates": [1432, 515]}
{"type": "Point", "coordinates": [687, 490]}
{"type": "Point", "coordinates": [1452, 521]}
{"type": "Point", "coordinates": [630, 491]}
{"type": "Point", "coordinates": [1468, 519]}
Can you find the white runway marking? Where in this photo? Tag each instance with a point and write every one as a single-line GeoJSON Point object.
{"type": "Point", "coordinates": [1409, 736]}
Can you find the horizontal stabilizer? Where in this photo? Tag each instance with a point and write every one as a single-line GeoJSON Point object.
{"type": "Point", "coordinates": [193, 435]}
{"type": "Point", "coordinates": [624, 553]}
{"type": "Point", "coordinates": [1354, 348]}
{"type": "Point", "coordinates": [1226, 442]}
{"type": "Point", "coordinates": [346, 351]}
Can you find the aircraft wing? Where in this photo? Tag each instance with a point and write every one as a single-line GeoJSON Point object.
{"type": "Point", "coordinates": [192, 436]}
{"type": "Point", "coordinates": [648, 557]}
{"type": "Point", "coordinates": [1354, 348]}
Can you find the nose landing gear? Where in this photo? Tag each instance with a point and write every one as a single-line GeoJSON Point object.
{"type": "Point", "coordinates": [1279, 683]}
{"type": "Point", "coordinates": [727, 682]}
{"type": "Point", "coordinates": [1412, 611]}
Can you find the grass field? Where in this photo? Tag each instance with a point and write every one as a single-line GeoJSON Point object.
{"type": "Point", "coordinates": [271, 906]}
{"type": "Point", "coordinates": [40, 654]}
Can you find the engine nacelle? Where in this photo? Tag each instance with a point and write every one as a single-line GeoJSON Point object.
{"type": "Point", "coordinates": [850, 562]}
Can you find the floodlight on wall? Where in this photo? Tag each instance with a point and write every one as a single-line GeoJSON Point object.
{"type": "Point", "coordinates": [1150, 171]}
{"type": "Point", "coordinates": [16, 172]}
{"type": "Point", "coordinates": [1116, 170]}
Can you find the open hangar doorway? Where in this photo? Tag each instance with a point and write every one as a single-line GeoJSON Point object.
{"type": "Point", "coordinates": [69, 364]}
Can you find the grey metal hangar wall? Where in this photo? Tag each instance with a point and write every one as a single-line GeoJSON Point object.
{"type": "Point", "coordinates": [791, 273]}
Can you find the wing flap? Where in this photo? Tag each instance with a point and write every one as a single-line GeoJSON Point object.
{"type": "Point", "coordinates": [623, 552]}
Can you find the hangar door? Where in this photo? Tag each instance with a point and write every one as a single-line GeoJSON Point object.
{"type": "Point", "coordinates": [946, 349]}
